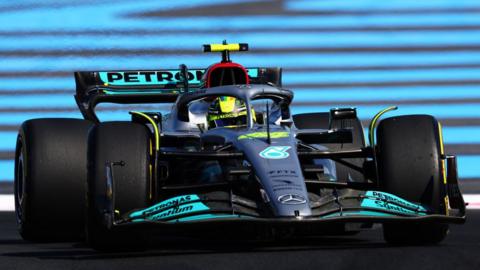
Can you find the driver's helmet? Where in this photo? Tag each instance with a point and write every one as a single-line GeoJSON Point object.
{"type": "Point", "coordinates": [227, 111]}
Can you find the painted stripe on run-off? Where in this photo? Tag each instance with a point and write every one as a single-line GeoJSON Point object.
{"type": "Point", "coordinates": [7, 203]}
{"type": "Point", "coordinates": [473, 201]}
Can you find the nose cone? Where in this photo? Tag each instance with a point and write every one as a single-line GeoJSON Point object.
{"type": "Point", "coordinates": [277, 167]}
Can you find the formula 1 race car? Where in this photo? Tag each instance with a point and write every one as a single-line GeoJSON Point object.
{"type": "Point", "coordinates": [228, 157]}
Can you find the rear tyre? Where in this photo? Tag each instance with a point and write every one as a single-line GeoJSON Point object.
{"type": "Point", "coordinates": [50, 177]}
{"type": "Point", "coordinates": [409, 150]}
{"type": "Point", "coordinates": [115, 142]}
{"type": "Point", "coordinates": [321, 121]}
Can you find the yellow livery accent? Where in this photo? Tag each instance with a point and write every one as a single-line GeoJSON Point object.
{"type": "Point", "coordinates": [260, 135]}
{"type": "Point", "coordinates": [234, 47]}
{"type": "Point", "coordinates": [155, 128]}
{"type": "Point", "coordinates": [447, 205]}
{"type": "Point", "coordinates": [151, 148]}
{"type": "Point", "coordinates": [225, 115]}
{"type": "Point", "coordinates": [150, 193]}
{"type": "Point", "coordinates": [157, 147]}
{"type": "Point", "coordinates": [442, 152]}
{"type": "Point", "coordinates": [371, 128]}
{"type": "Point", "coordinates": [443, 166]}
{"type": "Point", "coordinates": [227, 104]}
{"type": "Point", "coordinates": [221, 47]}
{"type": "Point", "coordinates": [150, 170]}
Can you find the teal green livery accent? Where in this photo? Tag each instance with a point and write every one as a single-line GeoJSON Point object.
{"type": "Point", "coordinates": [207, 216]}
{"type": "Point", "coordinates": [385, 206]}
{"type": "Point", "coordinates": [140, 92]}
{"type": "Point", "coordinates": [252, 72]}
{"type": "Point", "coordinates": [376, 203]}
{"type": "Point", "coordinates": [161, 77]}
{"type": "Point", "coordinates": [359, 213]}
{"type": "Point", "coordinates": [390, 198]}
{"type": "Point", "coordinates": [385, 202]}
{"type": "Point", "coordinates": [181, 210]}
{"type": "Point", "coordinates": [172, 207]}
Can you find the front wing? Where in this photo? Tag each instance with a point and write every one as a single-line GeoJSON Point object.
{"type": "Point", "coordinates": [216, 210]}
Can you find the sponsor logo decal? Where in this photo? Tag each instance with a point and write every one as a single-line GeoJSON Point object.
{"type": "Point", "coordinates": [262, 135]}
{"type": "Point", "coordinates": [184, 209]}
{"type": "Point", "coordinates": [172, 207]}
{"type": "Point", "coordinates": [292, 199]}
{"type": "Point", "coordinates": [282, 173]}
{"type": "Point", "coordinates": [391, 203]}
{"type": "Point", "coordinates": [275, 152]}
{"type": "Point", "coordinates": [226, 115]}
{"type": "Point", "coordinates": [147, 77]}
{"type": "Point", "coordinates": [394, 199]}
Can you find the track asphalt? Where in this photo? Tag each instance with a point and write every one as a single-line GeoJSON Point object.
{"type": "Point", "coordinates": [366, 250]}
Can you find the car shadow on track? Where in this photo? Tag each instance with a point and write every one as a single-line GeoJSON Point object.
{"type": "Point", "coordinates": [11, 245]}
{"type": "Point", "coordinates": [80, 251]}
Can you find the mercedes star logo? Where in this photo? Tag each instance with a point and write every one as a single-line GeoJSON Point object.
{"type": "Point", "coordinates": [291, 199]}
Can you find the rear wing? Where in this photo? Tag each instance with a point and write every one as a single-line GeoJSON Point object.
{"type": "Point", "coordinates": [148, 86]}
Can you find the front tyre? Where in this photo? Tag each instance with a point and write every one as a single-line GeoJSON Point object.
{"type": "Point", "coordinates": [114, 142]}
{"type": "Point", "coordinates": [409, 162]}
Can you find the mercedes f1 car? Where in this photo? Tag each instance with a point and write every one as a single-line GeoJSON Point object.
{"type": "Point", "coordinates": [228, 157]}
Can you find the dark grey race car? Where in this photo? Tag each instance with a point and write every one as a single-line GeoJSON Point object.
{"type": "Point", "coordinates": [175, 174]}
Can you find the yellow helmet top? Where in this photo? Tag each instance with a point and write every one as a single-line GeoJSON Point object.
{"type": "Point", "coordinates": [228, 111]}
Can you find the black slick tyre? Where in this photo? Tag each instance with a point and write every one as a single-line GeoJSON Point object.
{"type": "Point", "coordinates": [50, 178]}
{"type": "Point", "coordinates": [127, 143]}
{"type": "Point", "coordinates": [409, 163]}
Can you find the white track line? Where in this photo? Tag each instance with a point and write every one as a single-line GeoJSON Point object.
{"type": "Point", "coordinates": [7, 202]}
{"type": "Point", "coordinates": [473, 201]}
